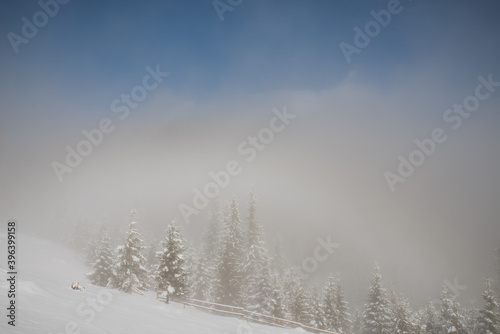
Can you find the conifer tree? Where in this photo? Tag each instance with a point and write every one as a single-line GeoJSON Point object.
{"type": "Point", "coordinates": [261, 301]}
{"type": "Point", "coordinates": [256, 274]}
{"type": "Point", "coordinates": [228, 269]}
{"type": "Point", "coordinates": [343, 315]}
{"type": "Point", "coordinates": [431, 325]}
{"type": "Point", "coordinates": [277, 298]}
{"type": "Point", "coordinates": [488, 321]}
{"type": "Point", "coordinates": [129, 275]}
{"type": "Point", "coordinates": [170, 274]}
{"type": "Point", "coordinates": [213, 233]}
{"type": "Point", "coordinates": [402, 317]}
{"type": "Point", "coordinates": [201, 288]}
{"type": "Point", "coordinates": [102, 266]}
{"type": "Point", "coordinates": [452, 320]}
{"type": "Point", "coordinates": [317, 310]}
{"type": "Point", "coordinates": [296, 299]}
{"type": "Point", "coordinates": [331, 314]}
{"type": "Point", "coordinates": [377, 318]}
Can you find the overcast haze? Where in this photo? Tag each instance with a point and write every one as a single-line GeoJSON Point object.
{"type": "Point", "coordinates": [322, 175]}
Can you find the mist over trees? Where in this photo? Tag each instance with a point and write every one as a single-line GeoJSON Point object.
{"type": "Point", "coordinates": [232, 265]}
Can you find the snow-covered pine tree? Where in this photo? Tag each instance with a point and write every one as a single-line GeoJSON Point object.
{"type": "Point", "coordinates": [170, 274]}
{"type": "Point", "coordinates": [431, 319]}
{"type": "Point", "coordinates": [318, 316]}
{"type": "Point", "coordinates": [201, 288]}
{"type": "Point", "coordinates": [289, 284]}
{"type": "Point", "coordinates": [357, 322]}
{"type": "Point", "coordinates": [255, 271]}
{"type": "Point", "coordinates": [300, 308]}
{"type": "Point", "coordinates": [452, 320]}
{"type": "Point", "coordinates": [342, 308]}
{"type": "Point", "coordinates": [102, 266]}
{"type": "Point", "coordinates": [335, 309]}
{"type": "Point", "coordinates": [262, 299]}
{"type": "Point", "coordinates": [90, 252]}
{"type": "Point", "coordinates": [228, 269]}
{"type": "Point", "coordinates": [330, 312]}
{"type": "Point", "coordinates": [277, 299]}
{"type": "Point", "coordinates": [296, 300]}
{"type": "Point", "coordinates": [497, 258]}
{"type": "Point", "coordinates": [212, 238]}
{"type": "Point", "coordinates": [377, 318]}
{"type": "Point", "coordinates": [488, 321]}
{"type": "Point", "coordinates": [402, 317]}
{"type": "Point", "coordinates": [128, 271]}
{"type": "Point", "coordinates": [470, 319]}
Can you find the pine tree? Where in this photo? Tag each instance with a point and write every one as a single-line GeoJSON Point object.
{"type": "Point", "coordinates": [488, 321]}
{"type": "Point", "coordinates": [201, 284]}
{"type": "Point", "coordinates": [255, 271]}
{"type": "Point", "coordinates": [128, 273]}
{"type": "Point", "coordinates": [296, 299]}
{"type": "Point", "coordinates": [342, 309]}
{"type": "Point", "coordinates": [377, 318]}
{"type": "Point", "coordinates": [330, 311]}
{"type": "Point", "coordinates": [170, 274]}
{"type": "Point", "coordinates": [357, 323]}
{"type": "Point", "coordinates": [228, 269]}
{"type": "Point", "coordinates": [102, 266]}
{"type": "Point", "coordinates": [277, 299]}
{"type": "Point", "coordinates": [213, 233]}
{"type": "Point", "coordinates": [317, 309]}
{"type": "Point", "coordinates": [263, 298]}
{"type": "Point", "coordinates": [431, 325]}
{"type": "Point", "coordinates": [497, 257]}
{"type": "Point", "coordinates": [300, 309]}
{"type": "Point", "coordinates": [402, 317]}
{"type": "Point", "coordinates": [452, 320]}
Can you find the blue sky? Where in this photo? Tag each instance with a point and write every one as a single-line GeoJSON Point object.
{"type": "Point", "coordinates": [101, 48]}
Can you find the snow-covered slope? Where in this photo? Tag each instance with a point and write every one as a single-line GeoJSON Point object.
{"type": "Point", "coordinates": [47, 304]}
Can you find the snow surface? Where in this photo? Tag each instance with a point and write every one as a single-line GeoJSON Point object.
{"type": "Point", "coordinates": [45, 302]}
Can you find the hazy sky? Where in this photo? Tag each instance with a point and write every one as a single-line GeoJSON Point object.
{"type": "Point", "coordinates": [323, 174]}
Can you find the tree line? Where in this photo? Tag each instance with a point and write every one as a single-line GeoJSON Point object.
{"type": "Point", "coordinates": [234, 267]}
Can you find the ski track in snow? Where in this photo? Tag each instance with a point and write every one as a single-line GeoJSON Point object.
{"type": "Point", "coordinates": [46, 304]}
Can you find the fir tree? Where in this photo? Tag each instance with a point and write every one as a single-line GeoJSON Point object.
{"type": "Point", "coordinates": [170, 274]}
{"type": "Point", "coordinates": [300, 308]}
{"type": "Point", "coordinates": [201, 284]}
{"type": "Point", "coordinates": [431, 325]}
{"type": "Point", "coordinates": [402, 317]}
{"type": "Point", "coordinates": [452, 320]}
{"type": "Point", "coordinates": [377, 318]}
{"type": "Point", "coordinates": [357, 323]}
{"type": "Point", "coordinates": [343, 315]}
{"type": "Point", "coordinates": [228, 269]}
{"type": "Point", "coordinates": [128, 273]}
{"type": "Point", "coordinates": [262, 299]}
{"type": "Point", "coordinates": [296, 299]}
{"type": "Point", "coordinates": [497, 257]}
{"type": "Point", "coordinates": [102, 266]}
{"type": "Point", "coordinates": [488, 321]}
{"type": "Point", "coordinates": [317, 309]}
{"type": "Point", "coordinates": [255, 271]}
{"type": "Point", "coordinates": [331, 314]}
{"type": "Point", "coordinates": [213, 233]}
{"type": "Point", "coordinates": [277, 299]}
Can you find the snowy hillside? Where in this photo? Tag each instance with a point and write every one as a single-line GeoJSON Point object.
{"type": "Point", "coordinates": [47, 304]}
